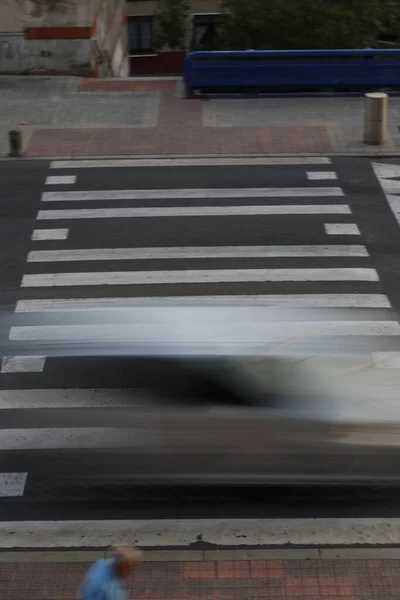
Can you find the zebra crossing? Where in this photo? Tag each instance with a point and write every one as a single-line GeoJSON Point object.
{"type": "Point", "coordinates": [99, 246]}
{"type": "Point", "coordinates": [223, 267]}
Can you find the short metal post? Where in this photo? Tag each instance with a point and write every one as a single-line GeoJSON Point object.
{"type": "Point", "coordinates": [188, 91]}
{"type": "Point", "coordinates": [375, 125]}
{"type": "Point", "coordinates": [15, 138]}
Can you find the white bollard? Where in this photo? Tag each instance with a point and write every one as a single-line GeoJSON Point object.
{"type": "Point", "coordinates": [375, 125]}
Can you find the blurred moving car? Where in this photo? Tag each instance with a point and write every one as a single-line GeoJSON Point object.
{"type": "Point", "coordinates": [230, 398]}
{"type": "Point", "coordinates": [272, 420]}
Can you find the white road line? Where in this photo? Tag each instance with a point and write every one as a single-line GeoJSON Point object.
{"type": "Point", "coordinates": [70, 398]}
{"type": "Point", "coordinates": [341, 229]}
{"type": "Point", "coordinates": [196, 276]}
{"type": "Point", "coordinates": [243, 331]}
{"type": "Point", "coordinates": [186, 162]}
{"type": "Point", "coordinates": [320, 175]}
{"type": "Point", "coordinates": [192, 193]}
{"type": "Point", "coordinates": [173, 533]}
{"type": "Point", "coordinates": [23, 364]}
{"type": "Point", "coordinates": [297, 300]}
{"type": "Point", "coordinates": [12, 484]}
{"type": "Point", "coordinates": [40, 235]}
{"type": "Point", "coordinates": [193, 252]}
{"type": "Point", "coordinates": [383, 171]}
{"type": "Point", "coordinates": [394, 203]}
{"type": "Point", "coordinates": [70, 437]}
{"type": "Point", "coordinates": [386, 360]}
{"type": "Point", "coordinates": [390, 186]}
{"type": "Point", "coordinates": [61, 180]}
{"type": "Point", "coordinates": [192, 211]}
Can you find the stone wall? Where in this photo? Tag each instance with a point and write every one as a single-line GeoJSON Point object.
{"type": "Point", "coordinates": [21, 56]}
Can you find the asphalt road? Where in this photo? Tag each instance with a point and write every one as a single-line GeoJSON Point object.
{"type": "Point", "coordinates": [22, 186]}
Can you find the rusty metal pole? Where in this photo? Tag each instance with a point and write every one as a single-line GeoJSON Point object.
{"type": "Point", "coordinates": [15, 139]}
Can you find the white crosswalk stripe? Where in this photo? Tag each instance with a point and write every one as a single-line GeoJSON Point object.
{"type": "Point", "coordinates": [71, 398]}
{"type": "Point", "coordinates": [42, 235]}
{"type": "Point", "coordinates": [320, 175]}
{"type": "Point", "coordinates": [12, 484]}
{"type": "Point", "coordinates": [194, 252]}
{"type": "Point", "coordinates": [192, 194]}
{"type": "Point", "coordinates": [23, 364]}
{"type": "Point", "coordinates": [289, 300]}
{"type": "Point", "coordinates": [342, 229]}
{"type": "Point", "coordinates": [61, 180]}
{"type": "Point", "coordinates": [67, 275]}
{"type": "Point", "coordinates": [200, 276]}
{"type": "Point", "coordinates": [275, 332]}
{"type": "Point", "coordinates": [192, 211]}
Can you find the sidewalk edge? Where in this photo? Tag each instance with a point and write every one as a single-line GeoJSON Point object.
{"type": "Point", "coordinates": [376, 156]}
{"type": "Point", "coordinates": [83, 556]}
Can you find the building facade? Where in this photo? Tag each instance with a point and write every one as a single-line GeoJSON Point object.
{"type": "Point", "coordinates": [96, 38]}
{"type": "Point", "coordinates": [203, 23]}
{"type": "Point", "coordinates": [77, 37]}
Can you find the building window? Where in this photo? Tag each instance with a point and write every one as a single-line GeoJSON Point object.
{"type": "Point", "coordinates": [140, 35]}
{"type": "Point", "coordinates": [206, 29]}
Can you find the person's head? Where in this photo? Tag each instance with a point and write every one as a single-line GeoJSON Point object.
{"type": "Point", "coordinates": [127, 560]}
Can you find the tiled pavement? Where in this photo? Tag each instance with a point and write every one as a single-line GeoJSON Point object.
{"type": "Point", "coordinates": [179, 128]}
{"type": "Point", "coordinates": [224, 580]}
{"type": "Point", "coordinates": [72, 117]}
{"type": "Point", "coordinates": [178, 140]}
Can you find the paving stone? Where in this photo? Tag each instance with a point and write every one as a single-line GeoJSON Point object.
{"type": "Point", "coordinates": [217, 580]}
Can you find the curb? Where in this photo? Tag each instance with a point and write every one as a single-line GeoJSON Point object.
{"type": "Point", "coordinates": [387, 155]}
{"type": "Point", "coordinates": [79, 556]}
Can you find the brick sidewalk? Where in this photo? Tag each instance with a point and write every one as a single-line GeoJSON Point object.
{"type": "Point", "coordinates": [179, 129]}
{"type": "Point", "coordinates": [228, 580]}
{"type": "Point", "coordinates": [63, 117]}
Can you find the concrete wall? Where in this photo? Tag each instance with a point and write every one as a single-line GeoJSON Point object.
{"type": "Point", "coordinates": [16, 15]}
{"type": "Point", "coordinates": [86, 11]}
{"type": "Point", "coordinates": [10, 17]}
{"type": "Point", "coordinates": [141, 8]}
{"type": "Point", "coordinates": [80, 37]}
{"type": "Point", "coordinates": [18, 55]}
{"type": "Point", "coordinates": [48, 13]}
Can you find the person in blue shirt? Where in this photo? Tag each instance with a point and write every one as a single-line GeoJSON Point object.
{"type": "Point", "coordinates": [107, 579]}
